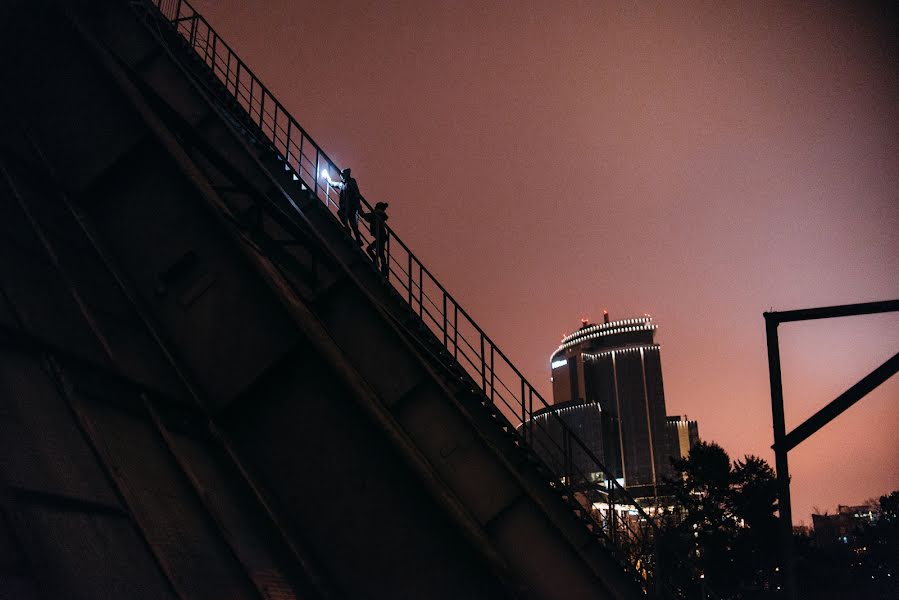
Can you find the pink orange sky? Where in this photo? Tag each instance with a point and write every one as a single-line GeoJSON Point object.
{"type": "Point", "coordinates": [699, 161]}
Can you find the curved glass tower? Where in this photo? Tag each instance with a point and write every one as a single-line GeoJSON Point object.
{"type": "Point", "coordinates": [607, 387]}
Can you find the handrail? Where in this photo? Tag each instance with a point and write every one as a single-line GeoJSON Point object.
{"type": "Point", "coordinates": [485, 363]}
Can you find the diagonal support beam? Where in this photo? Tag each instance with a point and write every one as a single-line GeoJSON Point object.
{"type": "Point", "coordinates": [840, 404]}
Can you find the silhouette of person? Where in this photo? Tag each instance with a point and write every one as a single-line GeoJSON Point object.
{"type": "Point", "coordinates": [349, 204]}
{"type": "Point", "coordinates": [377, 223]}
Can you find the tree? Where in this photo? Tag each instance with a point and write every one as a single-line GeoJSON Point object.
{"type": "Point", "coordinates": [699, 529]}
{"type": "Point", "coordinates": [753, 492]}
{"type": "Point", "coordinates": [889, 508]}
{"type": "Point", "coordinates": [883, 557]}
{"type": "Point", "coordinates": [723, 523]}
{"type": "Point", "coordinates": [753, 502]}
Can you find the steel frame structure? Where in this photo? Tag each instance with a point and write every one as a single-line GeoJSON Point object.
{"type": "Point", "coordinates": [264, 120]}
{"type": "Point", "coordinates": [783, 441]}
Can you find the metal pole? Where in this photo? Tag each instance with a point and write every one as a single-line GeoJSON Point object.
{"type": "Point", "coordinates": [315, 179]}
{"type": "Point", "coordinates": [492, 374]}
{"type": "Point", "coordinates": [780, 459]}
{"type": "Point", "coordinates": [421, 290]}
{"type": "Point", "coordinates": [387, 271]}
{"type": "Point", "coordinates": [193, 31]}
{"type": "Point", "coordinates": [409, 273]}
{"type": "Point", "coordinates": [455, 331]}
{"type": "Point", "coordinates": [483, 366]}
{"type": "Point", "coordinates": [444, 322]}
{"type": "Point", "coordinates": [524, 419]}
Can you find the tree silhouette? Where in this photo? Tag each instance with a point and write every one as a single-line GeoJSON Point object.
{"type": "Point", "coordinates": [753, 499]}
{"type": "Point", "coordinates": [723, 521]}
{"type": "Point", "coordinates": [722, 534]}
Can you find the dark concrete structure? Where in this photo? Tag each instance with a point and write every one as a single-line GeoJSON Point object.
{"type": "Point", "coordinates": [207, 391]}
{"type": "Point", "coordinates": [614, 367]}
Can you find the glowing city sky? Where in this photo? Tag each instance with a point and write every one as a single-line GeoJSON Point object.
{"type": "Point", "coordinates": [702, 162]}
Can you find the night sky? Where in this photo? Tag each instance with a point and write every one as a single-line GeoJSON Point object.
{"type": "Point", "coordinates": [700, 162]}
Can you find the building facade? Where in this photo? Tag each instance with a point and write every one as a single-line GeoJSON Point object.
{"type": "Point", "coordinates": [612, 372]}
{"type": "Point", "coordinates": [682, 434]}
{"type": "Point", "coordinates": [850, 526]}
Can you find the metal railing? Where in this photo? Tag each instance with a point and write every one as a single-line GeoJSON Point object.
{"type": "Point", "coordinates": [622, 525]}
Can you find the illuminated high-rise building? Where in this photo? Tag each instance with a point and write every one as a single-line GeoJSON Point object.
{"type": "Point", "coordinates": [682, 434]}
{"type": "Point", "coordinates": [612, 372]}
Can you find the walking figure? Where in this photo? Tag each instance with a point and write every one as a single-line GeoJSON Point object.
{"type": "Point", "coordinates": [349, 203]}
{"type": "Point", "coordinates": [377, 223]}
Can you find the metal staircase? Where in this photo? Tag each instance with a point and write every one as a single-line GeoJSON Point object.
{"type": "Point", "coordinates": [266, 406]}
{"type": "Point", "coordinates": [444, 331]}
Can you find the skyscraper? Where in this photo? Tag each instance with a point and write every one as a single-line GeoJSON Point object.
{"type": "Point", "coordinates": [613, 372]}
{"type": "Point", "coordinates": [682, 434]}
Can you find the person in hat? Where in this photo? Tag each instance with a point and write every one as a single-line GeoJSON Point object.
{"type": "Point", "coordinates": [349, 203]}
{"type": "Point", "coordinates": [377, 223]}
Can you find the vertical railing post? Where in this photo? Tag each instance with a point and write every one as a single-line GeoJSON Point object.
{"type": "Point", "coordinates": [409, 274]}
{"type": "Point", "coordinates": [316, 176]}
{"type": "Point", "coordinates": [455, 331]}
{"type": "Point", "coordinates": [206, 48]}
{"type": "Point", "coordinates": [524, 422]}
{"type": "Point", "coordinates": [250, 101]}
{"type": "Point", "coordinates": [444, 322]}
{"type": "Point", "coordinates": [275, 137]}
{"type": "Point", "coordinates": [287, 144]}
{"type": "Point", "coordinates": [215, 52]}
{"type": "Point", "coordinates": [483, 365]}
{"type": "Point", "coordinates": [262, 96]}
{"type": "Point", "coordinates": [492, 374]}
{"type": "Point", "coordinates": [421, 288]}
{"type": "Point", "coordinates": [387, 256]}
{"type": "Point", "coordinates": [228, 71]}
{"type": "Point", "coordinates": [300, 155]}
{"type": "Point", "coordinates": [530, 412]}
{"type": "Point", "coordinates": [530, 401]}
{"type": "Point", "coordinates": [193, 31]}
{"type": "Point", "coordinates": [215, 39]}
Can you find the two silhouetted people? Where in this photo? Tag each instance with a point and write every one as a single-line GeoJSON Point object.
{"type": "Point", "coordinates": [349, 204]}
{"type": "Point", "coordinates": [377, 224]}
{"type": "Point", "coordinates": [349, 209]}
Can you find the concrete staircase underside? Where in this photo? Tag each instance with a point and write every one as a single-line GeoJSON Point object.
{"type": "Point", "coordinates": [206, 391]}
